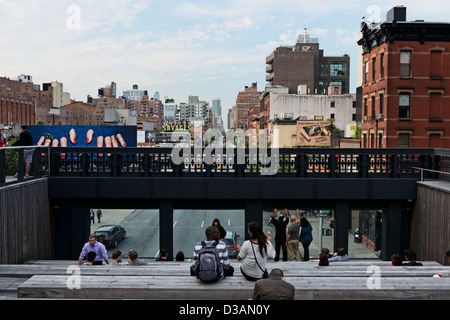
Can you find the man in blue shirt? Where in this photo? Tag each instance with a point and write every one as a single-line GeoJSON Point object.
{"type": "Point", "coordinates": [99, 249]}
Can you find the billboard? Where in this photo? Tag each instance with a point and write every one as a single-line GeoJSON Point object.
{"type": "Point", "coordinates": [84, 136]}
{"type": "Point", "coordinates": [171, 126]}
{"type": "Point", "coordinates": [311, 133]}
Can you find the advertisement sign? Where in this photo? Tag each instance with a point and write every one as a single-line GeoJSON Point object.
{"type": "Point", "coordinates": [171, 126]}
{"type": "Point", "coordinates": [313, 133]}
{"type": "Point", "coordinates": [84, 136]}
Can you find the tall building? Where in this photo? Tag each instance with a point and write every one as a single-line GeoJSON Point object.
{"type": "Point", "coordinates": [406, 82]}
{"type": "Point", "coordinates": [305, 64]}
{"type": "Point", "coordinates": [135, 93]}
{"type": "Point", "coordinates": [216, 108]}
{"type": "Point", "coordinates": [245, 100]}
{"type": "Point", "coordinates": [108, 91]}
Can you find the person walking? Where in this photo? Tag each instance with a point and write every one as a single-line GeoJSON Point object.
{"type": "Point", "coordinates": [305, 237]}
{"type": "Point", "coordinates": [280, 234]}
{"type": "Point", "coordinates": [254, 253]}
{"type": "Point", "coordinates": [292, 239]}
{"type": "Point", "coordinates": [99, 215]}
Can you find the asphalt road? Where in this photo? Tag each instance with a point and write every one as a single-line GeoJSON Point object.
{"type": "Point", "coordinates": [142, 228]}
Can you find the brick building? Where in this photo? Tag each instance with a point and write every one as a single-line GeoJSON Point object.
{"type": "Point", "coordinates": [245, 100]}
{"type": "Point", "coordinates": [15, 111]}
{"type": "Point", "coordinates": [83, 114]}
{"type": "Point", "coordinates": [406, 83]}
{"type": "Point", "coordinates": [305, 64]}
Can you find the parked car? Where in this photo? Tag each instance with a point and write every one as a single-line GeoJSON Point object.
{"type": "Point", "coordinates": [231, 242]}
{"type": "Point", "coordinates": [110, 235]}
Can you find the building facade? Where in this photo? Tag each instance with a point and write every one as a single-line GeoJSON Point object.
{"type": "Point", "coordinates": [305, 64]}
{"type": "Point", "coordinates": [245, 101]}
{"type": "Point", "coordinates": [405, 83]}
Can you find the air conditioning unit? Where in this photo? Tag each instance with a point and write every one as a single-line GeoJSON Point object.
{"type": "Point", "coordinates": [365, 118]}
{"type": "Point", "coordinates": [380, 116]}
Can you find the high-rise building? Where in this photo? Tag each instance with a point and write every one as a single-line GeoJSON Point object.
{"type": "Point", "coordinates": [304, 64]}
{"type": "Point", "coordinates": [406, 82]}
{"type": "Point", "coordinates": [216, 107]}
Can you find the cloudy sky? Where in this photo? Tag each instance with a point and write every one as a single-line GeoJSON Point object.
{"type": "Point", "coordinates": [208, 48]}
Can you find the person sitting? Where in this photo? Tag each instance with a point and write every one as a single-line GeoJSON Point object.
{"type": "Point", "coordinates": [411, 258]}
{"type": "Point", "coordinates": [274, 288]}
{"type": "Point", "coordinates": [340, 255]}
{"type": "Point", "coordinates": [212, 237]}
{"type": "Point", "coordinates": [396, 259]}
{"type": "Point", "coordinates": [323, 260]}
{"type": "Point", "coordinates": [162, 255]}
{"type": "Point", "coordinates": [133, 259]}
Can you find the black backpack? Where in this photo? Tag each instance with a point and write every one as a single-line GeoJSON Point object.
{"type": "Point", "coordinates": [208, 265]}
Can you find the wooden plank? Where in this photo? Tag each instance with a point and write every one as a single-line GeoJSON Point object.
{"type": "Point", "coordinates": [148, 287]}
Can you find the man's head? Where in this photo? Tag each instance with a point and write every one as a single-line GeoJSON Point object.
{"type": "Point", "coordinates": [276, 274]}
{"type": "Point", "coordinates": [132, 254]}
{"type": "Point", "coordinates": [410, 255]}
{"type": "Point", "coordinates": [92, 239]}
{"type": "Point", "coordinates": [117, 255]}
{"type": "Point", "coordinates": [23, 127]}
{"type": "Point", "coordinates": [212, 233]}
{"type": "Point", "coordinates": [293, 219]}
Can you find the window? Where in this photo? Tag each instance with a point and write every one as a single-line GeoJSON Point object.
{"type": "Point", "coordinates": [374, 69]}
{"type": "Point", "coordinates": [403, 140]}
{"type": "Point", "coordinates": [373, 107]}
{"type": "Point", "coordinates": [436, 64]}
{"type": "Point", "coordinates": [323, 64]}
{"type": "Point", "coordinates": [405, 63]}
{"type": "Point", "coordinates": [382, 65]}
{"type": "Point", "coordinates": [381, 103]}
{"type": "Point", "coordinates": [404, 105]}
{"type": "Point", "coordinates": [338, 68]}
{"type": "Point", "coordinates": [365, 108]}
{"type": "Point", "coordinates": [323, 73]}
{"type": "Point", "coordinates": [366, 72]}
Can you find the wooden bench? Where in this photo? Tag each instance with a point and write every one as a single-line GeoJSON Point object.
{"type": "Point", "coordinates": [172, 280]}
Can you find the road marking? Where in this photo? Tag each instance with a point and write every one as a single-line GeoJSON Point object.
{"type": "Point", "coordinates": [203, 222]}
{"type": "Point", "coordinates": [174, 224]}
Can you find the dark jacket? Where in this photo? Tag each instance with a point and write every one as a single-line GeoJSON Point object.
{"type": "Point", "coordinates": [280, 229]}
{"type": "Point", "coordinates": [306, 234]}
{"type": "Point", "coordinates": [25, 139]}
{"type": "Point", "coordinates": [273, 288]}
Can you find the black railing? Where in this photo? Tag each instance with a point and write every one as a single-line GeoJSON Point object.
{"type": "Point", "coordinates": [296, 163]}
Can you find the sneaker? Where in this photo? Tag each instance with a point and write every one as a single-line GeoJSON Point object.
{"type": "Point", "coordinates": [27, 176]}
{"type": "Point", "coordinates": [16, 175]}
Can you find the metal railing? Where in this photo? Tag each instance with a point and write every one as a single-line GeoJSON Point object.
{"type": "Point", "coordinates": [21, 163]}
{"type": "Point", "coordinates": [296, 163]}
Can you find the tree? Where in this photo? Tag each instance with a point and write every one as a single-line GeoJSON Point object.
{"type": "Point", "coordinates": [356, 131]}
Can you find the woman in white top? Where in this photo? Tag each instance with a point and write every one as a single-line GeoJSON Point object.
{"type": "Point", "coordinates": [258, 247]}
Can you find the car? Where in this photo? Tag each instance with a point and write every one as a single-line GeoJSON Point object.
{"type": "Point", "coordinates": [110, 235]}
{"type": "Point", "coordinates": [231, 243]}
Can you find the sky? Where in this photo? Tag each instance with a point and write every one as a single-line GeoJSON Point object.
{"type": "Point", "coordinates": [206, 48]}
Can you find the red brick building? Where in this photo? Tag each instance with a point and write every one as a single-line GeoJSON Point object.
{"type": "Point", "coordinates": [15, 111]}
{"type": "Point", "coordinates": [406, 83]}
{"type": "Point", "coordinates": [245, 100]}
{"type": "Point", "coordinates": [83, 114]}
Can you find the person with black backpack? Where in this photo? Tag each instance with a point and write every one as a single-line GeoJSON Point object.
{"type": "Point", "coordinates": [211, 261]}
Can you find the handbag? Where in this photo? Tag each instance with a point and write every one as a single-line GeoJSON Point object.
{"type": "Point", "coordinates": [265, 273]}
